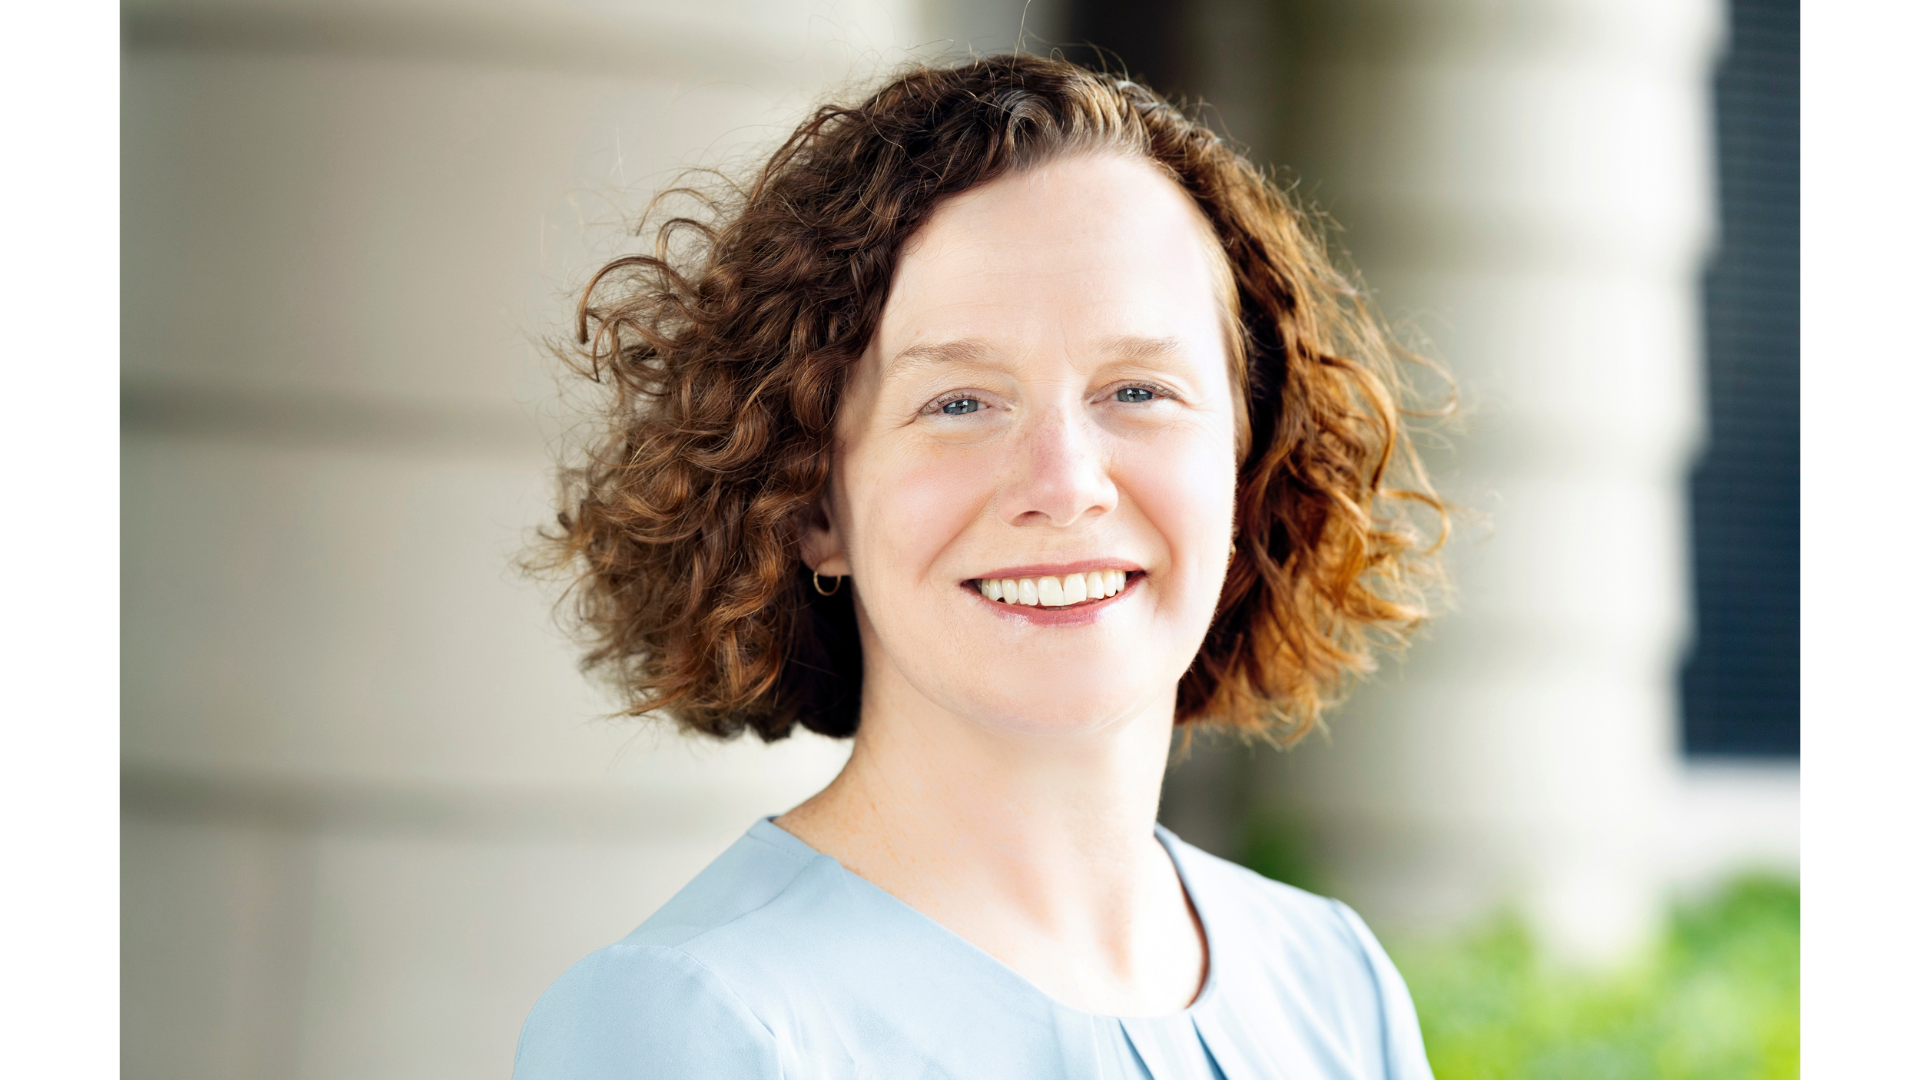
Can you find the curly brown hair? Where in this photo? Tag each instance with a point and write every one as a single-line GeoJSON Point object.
{"type": "Point", "coordinates": [722, 355]}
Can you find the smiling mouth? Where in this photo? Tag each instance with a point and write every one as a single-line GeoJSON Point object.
{"type": "Point", "coordinates": [1058, 590]}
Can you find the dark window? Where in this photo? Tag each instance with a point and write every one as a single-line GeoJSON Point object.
{"type": "Point", "coordinates": [1740, 687]}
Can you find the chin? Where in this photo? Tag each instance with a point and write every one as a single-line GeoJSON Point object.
{"type": "Point", "coordinates": [1049, 682]}
{"type": "Point", "coordinates": [1064, 708]}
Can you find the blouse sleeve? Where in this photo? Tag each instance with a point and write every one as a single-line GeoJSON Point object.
{"type": "Point", "coordinates": [640, 1011]}
{"type": "Point", "coordinates": [1404, 1051]}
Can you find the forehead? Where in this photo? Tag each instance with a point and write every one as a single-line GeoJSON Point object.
{"type": "Point", "coordinates": [1083, 249]}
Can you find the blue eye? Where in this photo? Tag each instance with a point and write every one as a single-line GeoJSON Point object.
{"type": "Point", "coordinates": [961, 407]}
{"type": "Point", "coordinates": [1135, 394]}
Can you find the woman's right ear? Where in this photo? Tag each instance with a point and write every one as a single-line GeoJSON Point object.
{"type": "Point", "coordinates": [822, 547]}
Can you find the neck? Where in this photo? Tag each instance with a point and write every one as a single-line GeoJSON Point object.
{"type": "Point", "coordinates": [1035, 845]}
{"type": "Point", "coordinates": [924, 775]}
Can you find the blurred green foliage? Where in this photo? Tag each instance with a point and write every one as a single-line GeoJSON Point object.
{"type": "Point", "coordinates": [1281, 849]}
{"type": "Point", "coordinates": [1718, 999]}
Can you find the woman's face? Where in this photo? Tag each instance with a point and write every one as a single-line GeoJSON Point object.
{"type": "Point", "coordinates": [1047, 395]}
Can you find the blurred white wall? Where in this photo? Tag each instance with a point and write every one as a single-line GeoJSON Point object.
{"type": "Point", "coordinates": [1531, 183]}
{"type": "Point", "coordinates": [369, 810]}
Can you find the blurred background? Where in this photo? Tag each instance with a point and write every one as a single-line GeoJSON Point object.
{"type": "Point", "coordinates": [370, 810]}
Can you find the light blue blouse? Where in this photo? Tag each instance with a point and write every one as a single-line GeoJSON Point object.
{"type": "Point", "coordinates": [776, 961]}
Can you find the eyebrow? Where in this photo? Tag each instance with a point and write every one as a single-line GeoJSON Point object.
{"type": "Point", "coordinates": [963, 351]}
{"type": "Point", "coordinates": [972, 350]}
{"type": "Point", "coordinates": [1140, 349]}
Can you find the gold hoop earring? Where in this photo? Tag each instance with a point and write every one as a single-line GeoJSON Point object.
{"type": "Point", "coordinates": [823, 592]}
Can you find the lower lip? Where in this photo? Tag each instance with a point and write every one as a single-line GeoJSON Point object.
{"type": "Point", "coordinates": [1078, 615]}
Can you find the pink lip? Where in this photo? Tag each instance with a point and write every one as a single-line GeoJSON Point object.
{"type": "Point", "coordinates": [1057, 569]}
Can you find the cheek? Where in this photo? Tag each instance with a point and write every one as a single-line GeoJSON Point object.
{"type": "Point", "coordinates": [1184, 484]}
{"type": "Point", "coordinates": [913, 504]}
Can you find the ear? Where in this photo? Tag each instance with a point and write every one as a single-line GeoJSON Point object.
{"type": "Point", "coordinates": [822, 544]}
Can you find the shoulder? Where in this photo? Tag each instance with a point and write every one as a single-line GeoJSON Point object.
{"type": "Point", "coordinates": [1310, 959]}
{"type": "Point", "coordinates": [754, 873]}
{"type": "Point", "coordinates": [633, 1009]}
{"type": "Point", "coordinates": [1275, 913]}
{"type": "Point", "coordinates": [657, 1002]}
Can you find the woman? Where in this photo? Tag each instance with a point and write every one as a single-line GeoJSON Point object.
{"type": "Point", "coordinates": [1008, 420]}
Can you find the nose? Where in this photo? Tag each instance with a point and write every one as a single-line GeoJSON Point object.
{"type": "Point", "coordinates": [1059, 474]}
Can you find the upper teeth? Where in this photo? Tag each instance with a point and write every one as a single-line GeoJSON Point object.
{"type": "Point", "coordinates": [1054, 591]}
